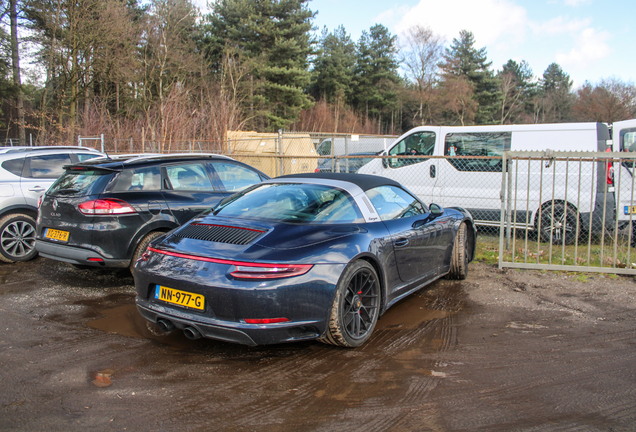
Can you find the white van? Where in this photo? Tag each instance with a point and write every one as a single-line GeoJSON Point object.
{"type": "Point", "coordinates": [475, 183]}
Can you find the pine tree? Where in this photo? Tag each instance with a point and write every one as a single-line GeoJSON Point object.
{"type": "Point", "coordinates": [376, 77]}
{"type": "Point", "coordinates": [463, 60]}
{"type": "Point", "coordinates": [332, 74]}
{"type": "Point", "coordinates": [334, 66]}
{"type": "Point", "coordinates": [517, 92]}
{"type": "Point", "coordinates": [274, 34]}
{"type": "Point", "coordinates": [557, 99]}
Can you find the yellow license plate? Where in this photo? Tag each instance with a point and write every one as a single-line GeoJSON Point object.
{"type": "Point", "coordinates": [56, 234]}
{"type": "Point", "coordinates": [630, 210]}
{"type": "Point", "coordinates": [181, 298]}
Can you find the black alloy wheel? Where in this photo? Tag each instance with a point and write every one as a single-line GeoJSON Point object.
{"type": "Point", "coordinates": [356, 306]}
{"type": "Point", "coordinates": [17, 238]}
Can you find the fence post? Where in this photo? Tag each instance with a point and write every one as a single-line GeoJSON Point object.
{"type": "Point", "coordinates": [347, 153]}
{"type": "Point", "coordinates": [502, 195]}
{"type": "Point", "coordinates": [332, 150]}
{"type": "Point", "coordinates": [280, 152]}
{"type": "Point", "coordinates": [79, 140]}
{"type": "Point", "coordinates": [131, 144]}
{"type": "Point", "coordinates": [102, 143]}
{"type": "Point", "coordinates": [509, 206]}
{"type": "Point", "coordinates": [143, 140]}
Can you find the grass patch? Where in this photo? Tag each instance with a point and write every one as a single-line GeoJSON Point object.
{"type": "Point", "coordinates": [606, 254]}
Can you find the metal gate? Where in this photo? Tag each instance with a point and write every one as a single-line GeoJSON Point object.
{"type": "Point", "coordinates": [569, 211]}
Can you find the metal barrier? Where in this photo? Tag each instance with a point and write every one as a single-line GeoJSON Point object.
{"type": "Point", "coordinates": [571, 211]}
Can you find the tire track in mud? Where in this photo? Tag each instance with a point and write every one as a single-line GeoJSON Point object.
{"type": "Point", "coordinates": [330, 385]}
{"type": "Point", "coordinates": [553, 382]}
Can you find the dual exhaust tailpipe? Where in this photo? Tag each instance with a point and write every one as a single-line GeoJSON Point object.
{"type": "Point", "coordinates": [189, 332]}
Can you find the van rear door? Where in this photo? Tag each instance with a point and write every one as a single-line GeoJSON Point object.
{"type": "Point", "coordinates": [624, 140]}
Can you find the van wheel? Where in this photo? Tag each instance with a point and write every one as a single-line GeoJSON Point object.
{"type": "Point", "coordinates": [558, 225]}
{"type": "Point", "coordinates": [17, 238]}
{"type": "Point", "coordinates": [142, 246]}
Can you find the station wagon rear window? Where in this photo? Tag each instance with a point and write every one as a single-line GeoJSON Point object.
{"type": "Point", "coordinates": [77, 182]}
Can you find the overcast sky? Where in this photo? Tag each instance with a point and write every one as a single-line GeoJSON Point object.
{"type": "Point", "coordinates": [590, 39]}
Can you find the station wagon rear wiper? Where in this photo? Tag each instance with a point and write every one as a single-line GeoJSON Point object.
{"type": "Point", "coordinates": [67, 191]}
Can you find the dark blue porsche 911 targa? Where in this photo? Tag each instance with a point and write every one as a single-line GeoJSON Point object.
{"type": "Point", "coordinates": [305, 256]}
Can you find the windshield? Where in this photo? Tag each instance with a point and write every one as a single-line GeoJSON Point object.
{"type": "Point", "coordinates": [293, 202]}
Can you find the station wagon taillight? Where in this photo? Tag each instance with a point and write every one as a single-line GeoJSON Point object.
{"type": "Point", "coordinates": [106, 207]}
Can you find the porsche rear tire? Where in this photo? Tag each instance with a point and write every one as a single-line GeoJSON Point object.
{"type": "Point", "coordinates": [355, 308]}
{"type": "Point", "coordinates": [459, 258]}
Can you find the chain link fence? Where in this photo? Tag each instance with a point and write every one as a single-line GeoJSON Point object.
{"type": "Point", "coordinates": [567, 211]}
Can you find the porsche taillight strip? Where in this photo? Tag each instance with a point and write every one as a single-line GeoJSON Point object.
{"type": "Point", "coordinates": [247, 270]}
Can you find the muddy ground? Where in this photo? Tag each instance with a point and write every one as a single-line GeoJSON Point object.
{"type": "Point", "coordinates": [501, 351]}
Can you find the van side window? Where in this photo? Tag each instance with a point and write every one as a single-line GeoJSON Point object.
{"type": "Point", "coordinates": [476, 144]}
{"type": "Point", "coordinates": [419, 143]}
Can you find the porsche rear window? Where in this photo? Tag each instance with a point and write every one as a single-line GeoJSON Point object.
{"type": "Point", "coordinates": [293, 202]}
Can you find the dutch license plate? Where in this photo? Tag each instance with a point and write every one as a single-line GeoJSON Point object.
{"type": "Point", "coordinates": [56, 234]}
{"type": "Point", "coordinates": [181, 298]}
{"type": "Point", "coordinates": [630, 210]}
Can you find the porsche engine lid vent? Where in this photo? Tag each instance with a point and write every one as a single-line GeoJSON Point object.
{"type": "Point", "coordinates": [219, 233]}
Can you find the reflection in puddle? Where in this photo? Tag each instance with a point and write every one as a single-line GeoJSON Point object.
{"type": "Point", "coordinates": [126, 321]}
{"type": "Point", "coordinates": [102, 378]}
{"type": "Point", "coordinates": [410, 313]}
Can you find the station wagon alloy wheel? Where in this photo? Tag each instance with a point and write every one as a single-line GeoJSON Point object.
{"type": "Point", "coordinates": [17, 238]}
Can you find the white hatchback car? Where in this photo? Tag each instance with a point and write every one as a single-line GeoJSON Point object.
{"type": "Point", "coordinates": [25, 174]}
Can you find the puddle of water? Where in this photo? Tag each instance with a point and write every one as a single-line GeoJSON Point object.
{"type": "Point", "coordinates": [126, 321]}
{"type": "Point", "coordinates": [425, 305]}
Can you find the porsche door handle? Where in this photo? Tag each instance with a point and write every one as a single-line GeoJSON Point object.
{"type": "Point", "coordinates": [401, 242]}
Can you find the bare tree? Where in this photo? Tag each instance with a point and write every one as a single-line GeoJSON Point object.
{"type": "Point", "coordinates": [609, 101]}
{"type": "Point", "coordinates": [15, 60]}
{"type": "Point", "coordinates": [458, 95]}
{"type": "Point", "coordinates": [421, 52]}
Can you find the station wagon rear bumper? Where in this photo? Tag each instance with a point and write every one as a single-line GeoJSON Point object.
{"type": "Point", "coordinates": [76, 255]}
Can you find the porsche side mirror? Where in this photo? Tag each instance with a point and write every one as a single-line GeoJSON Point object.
{"type": "Point", "coordinates": [436, 209]}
